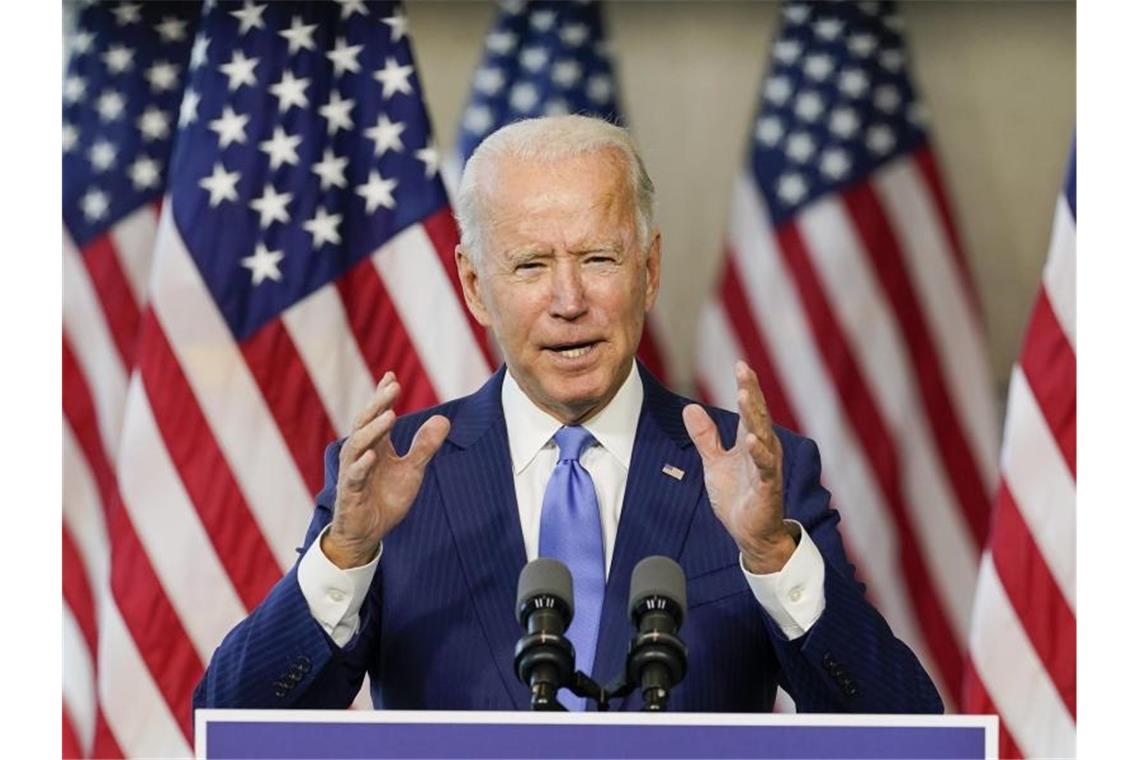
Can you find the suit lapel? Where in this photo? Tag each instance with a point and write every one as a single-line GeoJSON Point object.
{"type": "Point", "coordinates": [478, 493]}
{"type": "Point", "coordinates": [657, 510]}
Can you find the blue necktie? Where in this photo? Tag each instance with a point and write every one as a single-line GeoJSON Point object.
{"type": "Point", "coordinates": [571, 531]}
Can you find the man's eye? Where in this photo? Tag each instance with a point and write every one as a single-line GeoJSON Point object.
{"type": "Point", "coordinates": [528, 266]}
{"type": "Point", "coordinates": [600, 258]}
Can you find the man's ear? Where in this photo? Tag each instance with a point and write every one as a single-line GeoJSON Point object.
{"type": "Point", "coordinates": [472, 286]}
{"type": "Point", "coordinates": [653, 271]}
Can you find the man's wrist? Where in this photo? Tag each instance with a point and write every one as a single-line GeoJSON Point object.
{"type": "Point", "coordinates": [769, 555]}
{"type": "Point", "coordinates": [346, 555]}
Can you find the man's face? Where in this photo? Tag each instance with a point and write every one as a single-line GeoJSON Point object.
{"type": "Point", "coordinates": [562, 282]}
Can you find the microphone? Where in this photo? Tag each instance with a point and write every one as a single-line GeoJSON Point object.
{"type": "Point", "coordinates": [544, 656]}
{"type": "Point", "coordinates": [657, 657]}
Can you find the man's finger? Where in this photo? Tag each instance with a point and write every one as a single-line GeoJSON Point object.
{"type": "Point", "coordinates": [358, 471]}
{"type": "Point", "coordinates": [386, 391]}
{"type": "Point", "coordinates": [701, 429]}
{"type": "Point", "coordinates": [366, 438]}
{"type": "Point", "coordinates": [753, 405]}
{"type": "Point", "coordinates": [766, 459]}
{"type": "Point", "coordinates": [429, 438]}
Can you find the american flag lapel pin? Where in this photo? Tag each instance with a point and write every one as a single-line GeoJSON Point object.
{"type": "Point", "coordinates": [673, 472]}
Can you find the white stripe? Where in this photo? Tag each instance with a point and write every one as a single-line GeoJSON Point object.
{"type": "Point", "coordinates": [195, 582]}
{"type": "Point", "coordinates": [717, 352]}
{"type": "Point", "coordinates": [132, 704]}
{"type": "Point", "coordinates": [954, 325]}
{"type": "Point", "coordinates": [229, 396]}
{"type": "Point", "coordinates": [95, 350]}
{"type": "Point", "coordinates": [83, 514]}
{"type": "Point", "coordinates": [1040, 483]}
{"type": "Point", "coordinates": [431, 313]}
{"type": "Point", "coordinates": [872, 333]}
{"type": "Point", "coordinates": [1006, 662]}
{"type": "Point", "coordinates": [78, 681]}
{"type": "Point", "coordinates": [1060, 278]}
{"type": "Point", "coordinates": [867, 525]}
{"type": "Point", "coordinates": [319, 328]}
{"type": "Point", "coordinates": [133, 238]}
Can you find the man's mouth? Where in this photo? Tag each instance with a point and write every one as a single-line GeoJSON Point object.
{"type": "Point", "coordinates": [573, 350]}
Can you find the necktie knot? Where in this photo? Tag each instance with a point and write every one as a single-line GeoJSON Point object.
{"type": "Point", "coordinates": [572, 441]}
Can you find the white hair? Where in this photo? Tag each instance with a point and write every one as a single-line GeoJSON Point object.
{"type": "Point", "coordinates": [547, 140]}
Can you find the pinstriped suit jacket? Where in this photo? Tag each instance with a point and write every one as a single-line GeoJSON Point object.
{"type": "Point", "coordinates": [438, 628]}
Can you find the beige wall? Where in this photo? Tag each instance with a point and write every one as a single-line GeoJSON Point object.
{"type": "Point", "coordinates": [999, 83]}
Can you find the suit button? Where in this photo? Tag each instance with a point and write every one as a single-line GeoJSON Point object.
{"type": "Point", "coordinates": [305, 663]}
{"type": "Point", "coordinates": [828, 660]}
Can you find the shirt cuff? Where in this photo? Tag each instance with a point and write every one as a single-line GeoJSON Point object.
{"type": "Point", "coordinates": [793, 596]}
{"type": "Point", "coordinates": [334, 596]}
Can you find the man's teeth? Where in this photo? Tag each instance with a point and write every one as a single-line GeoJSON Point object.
{"type": "Point", "coordinates": [574, 353]}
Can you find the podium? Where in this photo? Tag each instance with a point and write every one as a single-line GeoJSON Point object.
{"type": "Point", "coordinates": [414, 734]}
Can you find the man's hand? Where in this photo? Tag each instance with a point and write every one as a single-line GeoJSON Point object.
{"type": "Point", "coordinates": [746, 483]}
{"type": "Point", "coordinates": [375, 488]}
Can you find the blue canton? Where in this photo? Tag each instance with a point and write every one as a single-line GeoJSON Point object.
{"type": "Point", "coordinates": [540, 58]}
{"type": "Point", "coordinates": [125, 71]}
{"type": "Point", "coordinates": [837, 102]}
{"type": "Point", "coordinates": [304, 147]}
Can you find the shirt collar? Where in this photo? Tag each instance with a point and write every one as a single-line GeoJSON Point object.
{"type": "Point", "coordinates": [529, 428]}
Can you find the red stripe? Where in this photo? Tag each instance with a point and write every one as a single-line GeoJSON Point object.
{"type": "Point", "coordinates": [292, 398]}
{"type": "Point", "coordinates": [1035, 596]}
{"type": "Point", "coordinates": [380, 333]}
{"type": "Point", "coordinates": [70, 746]}
{"type": "Point", "coordinates": [203, 469]}
{"type": "Point", "coordinates": [867, 423]}
{"type": "Point", "coordinates": [924, 160]}
{"type": "Point", "coordinates": [116, 298]}
{"type": "Point", "coordinates": [444, 235]}
{"type": "Point", "coordinates": [735, 301]}
{"type": "Point", "coordinates": [962, 472]}
{"type": "Point", "coordinates": [105, 744]}
{"type": "Point", "coordinates": [976, 700]}
{"type": "Point", "coordinates": [1050, 367]}
{"type": "Point", "coordinates": [650, 354]}
{"type": "Point", "coordinates": [77, 592]}
{"type": "Point", "coordinates": [155, 627]}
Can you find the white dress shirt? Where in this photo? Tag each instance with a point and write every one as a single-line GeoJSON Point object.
{"type": "Point", "coordinates": [793, 596]}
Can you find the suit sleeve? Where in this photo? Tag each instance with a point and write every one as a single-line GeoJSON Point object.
{"type": "Point", "coordinates": [280, 656]}
{"type": "Point", "coordinates": [849, 661]}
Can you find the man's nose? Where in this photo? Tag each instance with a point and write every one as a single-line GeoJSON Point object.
{"type": "Point", "coordinates": [568, 299]}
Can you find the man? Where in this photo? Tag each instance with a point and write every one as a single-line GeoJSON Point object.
{"type": "Point", "coordinates": [571, 450]}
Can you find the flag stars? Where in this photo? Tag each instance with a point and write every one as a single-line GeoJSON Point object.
{"type": "Point", "coordinates": [916, 114]}
{"type": "Point", "coordinates": [299, 35]}
{"type": "Point", "coordinates": [880, 139]}
{"type": "Point", "coordinates": [791, 188]}
{"type": "Point", "coordinates": [844, 122]}
{"type": "Point", "coordinates": [263, 264]}
{"type": "Point", "coordinates": [862, 44]}
{"type": "Point", "coordinates": [70, 137]}
{"type": "Point", "coordinates": [74, 87]}
{"type": "Point", "coordinates": [769, 131]}
{"type": "Point", "coordinates": [221, 185]}
{"type": "Point", "coordinates": [574, 34]}
{"type": "Point", "coordinates": [171, 29]}
{"type": "Point", "coordinates": [200, 52]}
{"type": "Point", "coordinates": [834, 163]}
{"type": "Point", "coordinates": [489, 80]}
{"type": "Point", "coordinates": [230, 127]}
{"type": "Point", "coordinates": [853, 83]}
{"type": "Point", "coordinates": [386, 135]}
{"type": "Point", "coordinates": [818, 67]}
{"type": "Point", "coordinates": [377, 192]}
{"type": "Point", "coordinates": [787, 51]}
{"type": "Point", "coordinates": [163, 76]}
{"type": "Point", "coordinates": [394, 78]}
{"type": "Point", "coordinates": [501, 42]}
{"type": "Point", "coordinates": [249, 16]}
{"type": "Point", "coordinates": [542, 21]}
{"type": "Point", "coordinates": [127, 13]}
{"type": "Point", "coordinates": [800, 147]}
{"type": "Point", "coordinates": [887, 98]}
{"type": "Point", "coordinates": [524, 97]}
{"type": "Point", "coordinates": [102, 155]}
{"type": "Point", "coordinates": [430, 158]}
{"type": "Point", "coordinates": [331, 170]}
{"type": "Point", "coordinates": [153, 124]}
{"type": "Point", "coordinates": [891, 60]}
{"type": "Point", "coordinates": [828, 29]}
{"type": "Point", "coordinates": [110, 106]}
{"type": "Point", "coordinates": [95, 204]}
{"type": "Point", "coordinates": [119, 59]}
{"type": "Point", "coordinates": [239, 70]}
{"type": "Point", "coordinates": [566, 73]}
{"type": "Point", "coordinates": [350, 7]}
{"type": "Point", "coordinates": [477, 119]}
{"type": "Point", "coordinates": [281, 148]}
{"type": "Point", "coordinates": [797, 13]}
{"type": "Point", "coordinates": [323, 228]}
{"type": "Point", "coordinates": [145, 174]}
{"type": "Point", "coordinates": [398, 23]}
{"type": "Point", "coordinates": [556, 107]}
{"type": "Point", "coordinates": [533, 59]}
{"type": "Point", "coordinates": [599, 88]}
{"type": "Point", "coordinates": [809, 105]}
{"type": "Point", "coordinates": [188, 112]}
{"type": "Point", "coordinates": [336, 111]}
{"type": "Point", "coordinates": [81, 42]}
{"type": "Point", "coordinates": [778, 89]}
{"type": "Point", "coordinates": [290, 91]}
{"type": "Point", "coordinates": [271, 206]}
{"type": "Point", "coordinates": [343, 57]}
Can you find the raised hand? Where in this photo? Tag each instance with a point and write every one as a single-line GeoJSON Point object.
{"type": "Point", "coordinates": [746, 483]}
{"type": "Point", "coordinates": [375, 487]}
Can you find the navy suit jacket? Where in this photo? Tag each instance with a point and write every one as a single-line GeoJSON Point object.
{"type": "Point", "coordinates": [438, 626]}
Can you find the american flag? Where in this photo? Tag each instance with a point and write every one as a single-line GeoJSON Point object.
{"type": "Point", "coordinates": [845, 286]}
{"type": "Point", "coordinates": [127, 65]}
{"type": "Point", "coordinates": [546, 58]}
{"type": "Point", "coordinates": [304, 247]}
{"type": "Point", "coordinates": [1023, 640]}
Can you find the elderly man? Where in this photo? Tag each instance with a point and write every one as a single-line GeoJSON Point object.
{"type": "Point", "coordinates": [571, 450]}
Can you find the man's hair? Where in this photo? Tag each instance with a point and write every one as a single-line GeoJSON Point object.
{"type": "Point", "coordinates": [546, 140]}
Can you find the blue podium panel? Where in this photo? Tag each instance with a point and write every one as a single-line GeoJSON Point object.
{"type": "Point", "coordinates": [391, 734]}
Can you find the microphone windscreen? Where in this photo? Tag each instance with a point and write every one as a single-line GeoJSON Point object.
{"type": "Point", "coordinates": [545, 577]}
{"type": "Point", "coordinates": [657, 576]}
